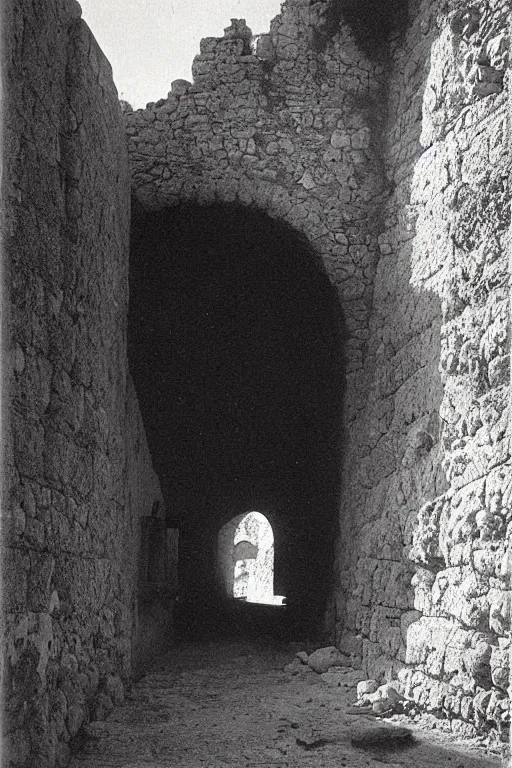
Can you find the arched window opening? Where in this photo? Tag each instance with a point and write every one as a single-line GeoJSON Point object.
{"type": "Point", "coordinates": [246, 559]}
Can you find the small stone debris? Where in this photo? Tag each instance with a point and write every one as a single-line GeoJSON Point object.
{"type": "Point", "coordinates": [335, 678]}
{"type": "Point", "coordinates": [296, 667]}
{"type": "Point", "coordinates": [366, 686]}
{"type": "Point", "coordinates": [384, 700]}
{"type": "Point", "coordinates": [382, 709]}
{"type": "Point", "coordinates": [353, 677]}
{"type": "Point", "coordinates": [353, 709]}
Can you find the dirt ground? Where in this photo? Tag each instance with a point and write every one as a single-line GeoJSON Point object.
{"type": "Point", "coordinates": [230, 703]}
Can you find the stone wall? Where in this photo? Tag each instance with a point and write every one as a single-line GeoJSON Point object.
{"type": "Point", "coordinates": [425, 575]}
{"type": "Point", "coordinates": [152, 589]}
{"type": "Point", "coordinates": [293, 130]}
{"type": "Point", "coordinates": [77, 476]}
{"type": "Point", "coordinates": [290, 130]}
{"type": "Point", "coordinates": [395, 168]}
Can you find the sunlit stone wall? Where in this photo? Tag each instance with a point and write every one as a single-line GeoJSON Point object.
{"type": "Point", "coordinates": [425, 569]}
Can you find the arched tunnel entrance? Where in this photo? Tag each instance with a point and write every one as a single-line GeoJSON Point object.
{"type": "Point", "coordinates": [235, 345]}
{"type": "Point", "coordinates": [245, 559]}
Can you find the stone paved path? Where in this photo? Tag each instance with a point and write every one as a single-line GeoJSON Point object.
{"type": "Point", "coordinates": [211, 705]}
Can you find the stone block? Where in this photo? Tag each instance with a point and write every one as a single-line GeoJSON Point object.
{"type": "Point", "coordinates": [39, 581]}
{"type": "Point", "coordinates": [74, 719]}
{"type": "Point", "coordinates": [179, 87]}
{"type": "Point", "coordinates": [29, 442]}
{"type": "Point", "coordinates": [115, 689]}
{"type": "Point", "coordinates": [351, 645]}
{"type": "Point", "coordinates": [500, 606]}
{"type": "Point", "coordinates": [325, 658]}
{"type": "Point", "coordinates": [365, 687]}
{"type": "Point", "coordinates": [499, 663]}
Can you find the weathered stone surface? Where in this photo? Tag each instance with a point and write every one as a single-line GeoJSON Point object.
{"type": "Point", "coordinates": [353, 677]}
{"type": "Point", "coordinates": [336, 678]}
{"type": "Point", "coordinates": [77, 473]}
{"type": "Point", "coordinates": [431, 450]}
{"type": "Point", "coordinates": [499, 664]}
{"type": "Point", "coordinates": [325, 658]}
{"type": "Point", "coordinates": [386, 695]}
{"type": "Point", "coordinates": [366, 686]}
{"type": "Point", "coordinates": [397, 174]}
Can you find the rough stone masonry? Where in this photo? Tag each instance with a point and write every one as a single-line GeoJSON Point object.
{"type": "Point", "coordinates": [395, 164]}
{"type": "Point", "coordinates": [77, 472]}
{"type": "Point", "coordinates": [388, 147]}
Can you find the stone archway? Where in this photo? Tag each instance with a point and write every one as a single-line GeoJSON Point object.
{"type": "Point", "coordinates": [235, 339]}
{"type": "Point", "coordinates": [245, 559]}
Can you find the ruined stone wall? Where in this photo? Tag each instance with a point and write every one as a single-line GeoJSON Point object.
{"type": "Point", "coordinates": [431, 590]}
{"type": "Point", "coordinates": [291, 130]}
{"type": "Point", "coordinates": [77, 476]}
{"type": "Point", "coordinates": [290, 125]}
{"type": "Point", "coordinates": [396, 171]}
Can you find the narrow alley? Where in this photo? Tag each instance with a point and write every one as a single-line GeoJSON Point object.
{"type": "Point", "coordinates": [232, 703]}
{"type": "Point", "coordinates": [257, 389]}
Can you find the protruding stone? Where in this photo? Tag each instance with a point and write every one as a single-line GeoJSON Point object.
{"type": "Point", "coordinates": [264, 48]}
{"type": "Point", "coordinates": [208, 45]}
{"type": "Point", "coordinates": [325, 658]}
{"type": "Point", "coordinates": [238, 30]}
{"type": "Point", "coordinates": [179, 87]}
{"type": "Point", "coordinates": [381, 737]}
{"type": "Point", "coordinates": [307, 180]}
{"type": "Point", "coordinates": [340, 139]}
{"type": "Point", "coordinates": [500, 667]}
{"type": "Point", "coordinates": [19, 359]}
{"type": "Point", "coordinates": [74, 719]}
{"type": "Point", "coordinates": [365, 687]}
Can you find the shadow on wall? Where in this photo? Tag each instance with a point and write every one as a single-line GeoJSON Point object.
{"type": "Point", "coordinates": [235, 345]}
{"type": "Point", "coordinates": [370, 22]}
{"type": "Point", "coordinates": [157, 589]}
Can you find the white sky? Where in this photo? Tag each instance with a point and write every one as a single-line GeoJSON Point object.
{"type": "Point", "coordinates": [150, 43]}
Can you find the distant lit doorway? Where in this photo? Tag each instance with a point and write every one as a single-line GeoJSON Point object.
{"type": "Point", "coordinates": [246, 559]}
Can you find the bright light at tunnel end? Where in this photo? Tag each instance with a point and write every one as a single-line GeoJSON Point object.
{"type": "Point", "coordinates": [246, 552]}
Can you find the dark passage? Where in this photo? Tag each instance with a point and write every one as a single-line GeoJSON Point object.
{"type": "Point", "coordinates": [235, 350]}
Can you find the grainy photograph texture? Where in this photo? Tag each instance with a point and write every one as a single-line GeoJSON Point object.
{"type": "Point", "coordinates": [256, 481]}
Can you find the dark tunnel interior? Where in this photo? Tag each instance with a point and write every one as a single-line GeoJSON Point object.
{"type": "Point", "coordinates": [235, 347]}
{"type": "Point", "coordinates": [371, 22]}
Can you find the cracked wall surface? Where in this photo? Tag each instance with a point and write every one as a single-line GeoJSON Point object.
{"type": "Point", "coordinates": [77, 474]}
